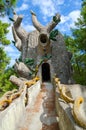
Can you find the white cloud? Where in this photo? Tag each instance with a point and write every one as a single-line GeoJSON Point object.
{"type": "Point", "coordinates": [77, 3]}
{"type": "Point", "coordinates": [68, 21]}
{"type": "Point", "coordinates": [59, 2]}
{"type": "Point", "coordinates": [28, 27]}
{"type": "Point", "coordinates": [22, 7]}
{"type": "Point", "coordinates": [47, 7]}
{"type": "Point", "coordinates": [4, 19]}
{"type": "Point", "coordinates": [13, 56]}
{"type": "Point", "coordinates": [10, 35]}
{"type": "Point", "coordinates": [74, 15]}
{"type": "Point", "coordinates": [64, 19]}
{"type": "Point", "coordinates": [12, 52]}
{"type": "Point", "coordinates": [9, 49]}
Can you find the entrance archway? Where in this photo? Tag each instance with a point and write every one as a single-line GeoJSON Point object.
{"type": "Point", "coordinates": [46, 72]}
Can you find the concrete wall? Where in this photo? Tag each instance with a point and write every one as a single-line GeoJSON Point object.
{"type": "Point", "coordinates": [32, 93]}
{"type": "Point", "coordinates": [10, 117]}
{"type": "Point", "coordinates": [66, 120]}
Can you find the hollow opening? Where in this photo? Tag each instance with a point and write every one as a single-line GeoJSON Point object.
{"type": "Point", "coordinates": [45, 72]}
{"type": "Point", "coordinates": [43, 38]}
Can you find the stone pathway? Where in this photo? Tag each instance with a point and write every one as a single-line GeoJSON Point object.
{"type": "Point", "coordinates": [42, 115]}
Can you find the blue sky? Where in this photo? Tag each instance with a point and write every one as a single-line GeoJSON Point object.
{"type": "Point", "coordinates": [45, 10]}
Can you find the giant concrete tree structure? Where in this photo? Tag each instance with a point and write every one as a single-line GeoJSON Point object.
{"type": "Point", "coordinates": [41, 104]}
{"type": "Point", "coordinates": [49, 57]}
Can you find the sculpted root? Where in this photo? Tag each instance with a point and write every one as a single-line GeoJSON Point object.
{"type": "Point", "coordinates": [80, 120]}
{"type": "Point", "coordinates": [8, 98]}
{"type": "Point", "coordinates": [64, 96]}
{"type": "Point", "coordinates": [32, 82]}
{"type": "Point", "coordinates": [77, 114]}
{"type": "Point", "coordinates": [4, 104]}
{"type": "Point", "coordinates": [63, 92]}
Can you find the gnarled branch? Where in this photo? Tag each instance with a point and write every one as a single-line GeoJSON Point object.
{"type": "Point", "coordinates": [18, 20]}
{"type": "Point", "coordinates": [18, 43]}
{"type": "Point", "coordinates": [36, 23]}
{"type": "Point", "coordinates": [53, 23]}
{"type": "Point", "coordinates": [49, 27]}
{"type": "Point", "coordinates": [77, 112]}
{"type": "Point", "coordinates": [22, 70]}
{"type": "Point", "coordinates": [16, 81]}
{"type": "Point", "coordinates": [21, 33]}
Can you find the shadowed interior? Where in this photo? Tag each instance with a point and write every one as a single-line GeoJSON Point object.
{"type": "Point", "coordinates": [45, 72]}
{"type": "Point", "coordinates": [43, 38]}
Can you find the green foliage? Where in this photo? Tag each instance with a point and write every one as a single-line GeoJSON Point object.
{"type": "Point", "coordinates": [78, 60]}
{"type": "Point", "coordinates": [6, 6]}
{"type": "Point", "coordinates": [53, 34]}
{"type": "Point", "coordinates": [76, 44]}
{"type": "Point", "coordinates": [14, 42]}
{"type": "Point", "coordinates": [11, 19]}
{"type": "Point", "coordinates": [5, 84]}
{"type": "Point", "coordinates": [29, 61]}
{"type": "Point", "coordinates": [80, 33]}
{"type": "Point", "coordinates": [3, 32]}
{"type": "Point", "coordinates": [80, 69]}
{"type": "Point", "coordinates": [46, 57]}
{"type": "Point", "coordinates": [80, 38]}
{"type": "Point", "coordinates": [55, 19]}
{"type": "Point", "coordinates": [4, 60]}
{"type": "Point", "coordinates": [34, 68]}
{"type": "Point", "coordinates": [70, 44]}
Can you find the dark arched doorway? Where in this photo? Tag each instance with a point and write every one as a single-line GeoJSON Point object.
{"type": "Point", "coordinates": [45, 72]}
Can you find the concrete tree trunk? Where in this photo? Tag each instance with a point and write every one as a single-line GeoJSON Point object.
{"type": "Point", "coordinates": [36, 45]}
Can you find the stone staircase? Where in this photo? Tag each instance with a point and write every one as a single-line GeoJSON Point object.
{"type": "Point", "coordinates": [42, 114]}
{"type": "Point", "coordinates": [41, 110]}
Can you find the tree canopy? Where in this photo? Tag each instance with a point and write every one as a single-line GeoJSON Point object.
{"type": "Point", "coordinates": [5, 84]}
{"type": "Point", "coordinates": [3, 31]}
{"type": "Point", "coordinates": [4, 60]}
{"type": "Point", "coordinates": [6, 6]}
{"type": "Point", "coordinates": [76, 44]}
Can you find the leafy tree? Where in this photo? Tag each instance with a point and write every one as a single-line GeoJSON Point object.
{"type": "Point", "coordinates": [3, 31]}
{"type": "Point", "coordinates": [4, 60]}
{"type": "Point", "coordinates": [80, 33]}
{"type": "Point", "coordinates": [78, 61]}
{"type": "Point", "coordinates": [5, 84]}
{"type": "Point", "coordinates": [76, 44]}
{"type": "Point", "coordinates": [6, 6]}
{"type": "Point", "coordinates": [5, 73]}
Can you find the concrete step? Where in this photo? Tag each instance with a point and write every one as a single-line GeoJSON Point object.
{"type": "Point", "coordinates": [42, 114]}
